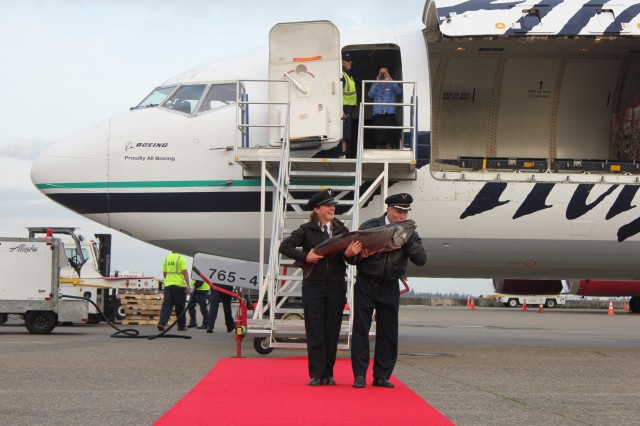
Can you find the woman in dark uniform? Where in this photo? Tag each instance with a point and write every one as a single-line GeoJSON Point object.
{"type": "Point", "coordinates": [324, 289]}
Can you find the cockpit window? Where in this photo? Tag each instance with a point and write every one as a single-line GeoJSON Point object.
{"type": "Point", "coordinates": [219, 95]}
{"type": "Point", "coordinates": [156, 97]}
{"type": "Point", "coordinates": [185, 98]}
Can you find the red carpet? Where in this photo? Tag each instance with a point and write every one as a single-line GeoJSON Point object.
{"type": "Point", "coordinates": [274, 391]}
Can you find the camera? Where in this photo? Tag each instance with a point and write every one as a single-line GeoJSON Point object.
{"type": "Point", "coordinates": [382, 76]}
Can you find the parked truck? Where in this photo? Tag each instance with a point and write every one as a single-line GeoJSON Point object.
{"type": "Point", "coordinates": [88, 272]}
{"type": "Point", "coordinates": [515, 300]}
{"type": "Point", "coordinates": [30, 284]}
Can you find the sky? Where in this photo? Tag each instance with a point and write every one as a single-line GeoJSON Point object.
{"type": "Point", "coordinates": [67, 64]}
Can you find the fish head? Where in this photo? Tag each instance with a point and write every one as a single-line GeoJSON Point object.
{"type": "Point", "coordinates": [403, 232]}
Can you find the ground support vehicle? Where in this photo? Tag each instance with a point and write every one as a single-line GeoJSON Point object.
{"type": "Point", "coordinates": [30, 284]}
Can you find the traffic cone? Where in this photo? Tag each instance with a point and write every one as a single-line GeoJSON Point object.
{"type": "Point", "coordinates": [472, 306]}
{"type": "Point", "coordinates": [541, 309]}
{"type": "Point", "coordinates": [468, 301]}
{"type": "Point", "coordinates": [610, 312]}
{"type": "Point", "coordinates": [524, 305]}
{"type": "Point", "coordinates": [625, 308]}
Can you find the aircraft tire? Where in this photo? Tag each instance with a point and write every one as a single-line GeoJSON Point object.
{"type": "Point", "coordinates": [40, 322]}
{"type": "Point", "coordinates": [119, 314]}
{"type": "Point", "coordinates": [261, 345]}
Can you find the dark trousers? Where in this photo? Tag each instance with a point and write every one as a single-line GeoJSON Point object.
{"type": "Point", "coordinates": [386, 302]}
{"type": "Point", "coordinates": [346, 123]}
{"type": "Point", "coordinates": [384, 136]}
{"type": "Point", "coordinates": [216, 298]}
{"type": "Point", "coordinates": [323, 308]}
{"type": "Point", "coordinates": [199, 298]}
{"type": "Point", "coordinates": [174, 296]}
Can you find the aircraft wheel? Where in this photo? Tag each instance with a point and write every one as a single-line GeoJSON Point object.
{"type": "Point", "coordinates": [261, 345]}
{"type": "Point", "coordinates": [513, 303]}
{"type": "Point", "coordinates": [40, 322]}
{"type": "Point", "coordinates": [550, 303]}
{"type": "Point", "coordinates": [3, 318]}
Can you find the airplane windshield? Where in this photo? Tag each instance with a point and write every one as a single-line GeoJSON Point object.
{"type": "Point", "coordinates": [219, 95]}
{"type": "Point", "coordinates": [156, 97]}
{"type": "Point", "coordinates": [185, 98]}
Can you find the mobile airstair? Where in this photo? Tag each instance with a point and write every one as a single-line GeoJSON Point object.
{"type": "Point", "coordinates": [285, 148]}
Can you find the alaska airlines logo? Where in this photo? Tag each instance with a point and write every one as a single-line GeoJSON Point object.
{"type": "Point", "coordinates": [23, 248]}
{"type": "Point", "coordinates": [488, 198]}
{"type": "Point", "coordinates": [129, 145]}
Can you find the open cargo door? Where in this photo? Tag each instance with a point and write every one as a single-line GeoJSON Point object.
{"type": "Point", "coordinates": [308, 55]}
{"type": "Point", "coordinates": [530, 85]}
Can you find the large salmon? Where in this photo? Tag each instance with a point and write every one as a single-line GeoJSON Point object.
{"type": "Point", "coordinates": [375, 240]}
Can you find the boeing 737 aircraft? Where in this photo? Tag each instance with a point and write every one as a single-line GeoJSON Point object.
{"type": "Point", "coordinates": [521, 131]}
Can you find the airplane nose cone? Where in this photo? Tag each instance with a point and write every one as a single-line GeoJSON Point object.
{"type": "Point", "coordinates": [74, 171]}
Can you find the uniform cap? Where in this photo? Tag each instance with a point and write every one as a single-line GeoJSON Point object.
{"type": "Point", "coordinates": [322, 198]}
{"type": "Point", "coordinates": [346, 57]}
{"type": "Point", "coordinates": [399, 201]}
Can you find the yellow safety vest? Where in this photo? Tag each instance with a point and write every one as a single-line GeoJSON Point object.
{"type": "Point", "coordinates": [203, 287]}
{"type": "Point", "coordinates": [173, 266]}
{"type": "Point", "coordinates": [349, 94]}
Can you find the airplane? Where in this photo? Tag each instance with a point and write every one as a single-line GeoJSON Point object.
{"type": "Point", "coordinates": [526, 152]}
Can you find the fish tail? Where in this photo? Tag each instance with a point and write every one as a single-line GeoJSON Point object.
{"type": "Point", "coordinates": [306, 267]}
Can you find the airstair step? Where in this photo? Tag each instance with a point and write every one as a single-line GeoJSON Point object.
{"type": "Point", "coordinates": [331, 173]}
{"type": "Point", "coordinates": [320, 187]}
{"type": "Point", "coordinates": [292, 293]}
{"type": "Point", "coordinates": [305, 215]}
{"type": "Point", "coordinates": [304, 202]}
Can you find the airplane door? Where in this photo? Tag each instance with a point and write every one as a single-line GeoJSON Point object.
{"type": "Point", "coordinates": [307, 54]}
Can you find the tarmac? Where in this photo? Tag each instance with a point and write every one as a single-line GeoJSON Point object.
{"type": "Point", "coordinates": [495, 366]}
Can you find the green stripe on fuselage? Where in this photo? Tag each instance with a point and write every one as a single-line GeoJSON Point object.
{"type": "Point", "coordinates": [172, 184]}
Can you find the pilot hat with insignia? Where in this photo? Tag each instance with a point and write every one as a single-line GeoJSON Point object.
{"type": "Point", "coordinates": [322, 198]}
{"type": "Point", "coordinates": [399, 201]}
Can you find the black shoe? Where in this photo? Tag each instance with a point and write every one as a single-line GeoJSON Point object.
{"type": "Point", "coordinates": [328, 381]}
{"type": "Point", "coordinates": [315, 382]}
{"type": "Point", "coordinates": [202, 327]}
{"type": "Point", "coordinates": [209, 330]}
{"type": "Point", "coordinates": [230, 329]}
{"type": "Point", "coordinates": [191, 326]}
{"type": "Point", "coordinates": [160, 327]}
{"type": "Point", "coordinates": [182, 328]}
{"type": "Point", "coordinates": [359, 382]}
{"type": "Point", "coordinates": [383, 383]}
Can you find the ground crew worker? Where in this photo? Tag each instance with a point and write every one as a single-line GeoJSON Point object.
{"type": "Point", "coordinates": [349, 95]}
{"type": "Point", "coordinates": [324, 289]}
{"type": "Point", "coordinates": [217, 297]}
{"type": "Point", "coordinates": [176, 287]}
{"type": "Point", "coordinates": [199, 296]}
{"type": "Point", "coordinates": [378, 287]}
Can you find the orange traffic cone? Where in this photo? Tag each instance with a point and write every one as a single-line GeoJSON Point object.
{"type": "Point", "coordinates": [541, 309]}
{"type": "Point", "coordinates": [625, 308]}
{"type": "Point", "coordinates": [472, 306]}
{"type": "Point", "coordinates": [610, 312]}
{"type": "Point", "coordinates": [524, 305]}
{"type": "Point", "coordinates": [468, 301]}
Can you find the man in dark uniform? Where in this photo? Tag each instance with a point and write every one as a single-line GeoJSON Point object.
{"type": "Point", "coordinates": [377, 287]}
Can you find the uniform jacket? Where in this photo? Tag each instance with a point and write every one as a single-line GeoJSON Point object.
{"type": "Point", "coordinates": [329, 271]}
{"type": "Point", "coordinates": [387, 268]}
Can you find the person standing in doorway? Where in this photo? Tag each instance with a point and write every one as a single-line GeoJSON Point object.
{"type": "Point", "coordinates": [384, 92]}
